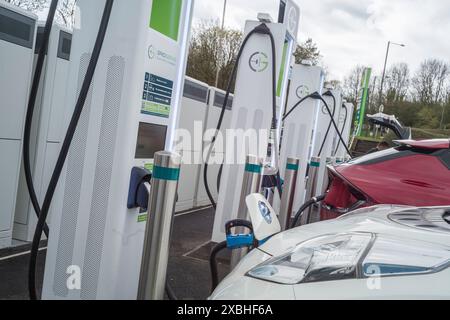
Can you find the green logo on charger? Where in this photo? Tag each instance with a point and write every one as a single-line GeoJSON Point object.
{"type": "Point", "coordinates": [258, 62]}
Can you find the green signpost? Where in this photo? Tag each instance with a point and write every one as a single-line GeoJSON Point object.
{"type": "Point", "coordinates": [362, 105]}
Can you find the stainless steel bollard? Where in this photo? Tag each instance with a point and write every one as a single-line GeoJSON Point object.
{"type": "Point", "coordinates": [331, 161]}
{"type": "Point", "coordinates": [287, 199]}
{"type": "Point", "coordinates": [251, 184]}
{"type": "Point", "coordinates": [155, 256]}
{"type": "Point", "coordinates": [311, 187]}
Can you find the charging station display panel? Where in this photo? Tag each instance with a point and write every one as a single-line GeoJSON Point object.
{"type": "Point", "coordinates": [138, 80]}
{"type": "Point", "coordinates": [17, 36]}
{"type": "Point", "coordinates": [151, 139]}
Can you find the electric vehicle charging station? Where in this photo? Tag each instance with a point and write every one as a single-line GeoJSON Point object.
{"type": "Point", "coordinates": [347, 116]}
{"type": "Point", "coordinates": [215, 103]}
{"type": "Point", "coordinates": [138, 84]}
{"type": "Point", "coordinates": [17, 41]}
{"type": "Point", "coordinates": [299, 126]}
{"type": "Point", "coordinates": [252, 107]}
{"type": "Point", "coordinates": [47, 131]}
{"type": "Point", "coordinates": [193, 113]}
{"type": "Point", "coordinates": [323, 122]}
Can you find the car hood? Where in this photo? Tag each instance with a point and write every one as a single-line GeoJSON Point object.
{"type": "Point", "coordinates": [377, 219]}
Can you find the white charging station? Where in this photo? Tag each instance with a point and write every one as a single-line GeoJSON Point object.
{"type": "Point", "coordinates": [298, 128]}
{"type": "Point", "coordinates": [193, 116]}
{"type": "Point", "coordinates": [323, 122]}
{"type": "Point", "coordinates": [347, 116]}
{"type": "Point", "coordinates": [47, 131]}
{"type": "Point", "coordinates": [252, 106]}
{"type": "Point", "coordinates": [215, 104]}
{"type": "Point", "coordinates": [17, 34]}
{"type": "Point", "coordinates": [131, 112]}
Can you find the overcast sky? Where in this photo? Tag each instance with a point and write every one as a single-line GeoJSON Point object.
{"type": "Point", "coordinates": [350, 32]}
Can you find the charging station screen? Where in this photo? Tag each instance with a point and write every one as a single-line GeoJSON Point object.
{"type": "Point", "coordinates": [151, 139]}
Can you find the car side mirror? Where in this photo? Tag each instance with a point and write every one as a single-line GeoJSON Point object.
{"type": "Point", "coordinates": [263, 217]}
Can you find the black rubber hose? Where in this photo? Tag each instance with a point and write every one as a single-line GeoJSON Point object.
{"type": "Point", "coordinates": [66, 146]}
{"type": "Point", "coordinates": [343, 126]}
{"type": "Point", "coordinates": [274, 103]}
{"type": "Point", "coordinates": [336, 127]}
{"type": "Point", "coordinates": [213, 264]}
{"type": "Point", "coordinates": [310, 96]}
{"type": "Point", "coordinates": [305, 206]}
{"type": "Point", "coordinates": [329, 126]}
{"type": "Point", "coordinates": [30, 111]}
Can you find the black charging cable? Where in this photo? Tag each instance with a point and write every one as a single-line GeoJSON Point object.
{"type": "Point", "coordinates": [310, 96]}
{"type": "Point", "coordinates": [329, 94]}
{"type": "Point", "coordinates": [335, 126]}
{"type": "Point", "coordinates": [343, 126]}
{"type": "Point", "coordinates": [30, 111]}
{"type": "Point", "coordinates": [305, 206]}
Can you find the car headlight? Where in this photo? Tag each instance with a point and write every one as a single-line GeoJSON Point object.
{"type": "Point", "coordinates": [352, 255]}
{"type": "Point", "coordinates": [324, 258]}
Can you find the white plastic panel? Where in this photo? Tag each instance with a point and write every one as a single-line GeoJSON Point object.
{"type": "Point", "coordinates": [9, 172]}
{"type": "Point", "coordinates": [15, 66]}
{"type": "Point", "coordinates": [192, 119]}
{"type": "Point", "coordinates": [298, 136]}
{"type": "Point", "coordinates": [16, 63]}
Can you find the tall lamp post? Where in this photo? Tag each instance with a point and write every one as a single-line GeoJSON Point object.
{"type": "Point", "coordinates": [223, 26]}
{"type": "Point", "coordinates": [384, 69]}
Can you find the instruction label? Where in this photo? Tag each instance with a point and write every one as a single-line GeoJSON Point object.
{"type": "Point", "coordinates": [157, 96]}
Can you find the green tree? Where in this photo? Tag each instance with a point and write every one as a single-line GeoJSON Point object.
{"type": "Point", "coordinates": [307, 50]}
{"type": "Point", "coordinates": [213, 48]}
{"type": "Point", "coordinates": [427, 118]}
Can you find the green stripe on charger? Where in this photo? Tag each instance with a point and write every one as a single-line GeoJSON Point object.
{"type": "Point", "coordinates": [253, 168]}
{"type": "Point", "coordinates": [169, 174]}
{"type": "Point", "coordinates": [315, 164]}
{"type": "Point", "coordinates": [293, 167]}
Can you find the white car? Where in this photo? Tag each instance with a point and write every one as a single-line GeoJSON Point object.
{"type": "Point", "coordinates": [383, 252]}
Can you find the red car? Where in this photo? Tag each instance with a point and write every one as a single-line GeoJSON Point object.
{"type": "Point", "coordinates": [416, 173]}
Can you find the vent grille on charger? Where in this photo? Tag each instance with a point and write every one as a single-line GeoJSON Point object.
{"type": "Point", "coordinates": [102, 178]}
{"type": "Point", "coordinates": [72, 189]}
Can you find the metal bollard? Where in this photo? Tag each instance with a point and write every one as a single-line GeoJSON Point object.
{"type": "Point", "coordinates": [287, 199]}
{"type": "Point", "coordinates": [311, 187]}
{"type": "Point", "coordinates": [250, 184]}
{"type": "Point", "coordinates": [155, 256]}
{"type": "Point", "coordinates": [331, 161]}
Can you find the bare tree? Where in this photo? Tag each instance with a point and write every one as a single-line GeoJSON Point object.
{"type": "Point", "coordinates": [65, 13]}
{"type": "Point", "coordinates": [30, 5]}
{"type": "Point", "coordinates": [213, 48]}
{"type": "Point", "coordinates": [430, 81]}
{"type": "Point", "coordinates": [397, 82]}
{"type": "Point", "coordinates": [352, 84]}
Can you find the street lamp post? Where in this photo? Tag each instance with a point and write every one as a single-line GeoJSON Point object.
{"type": "Point", "coordinates": [384, 69]}
{"type": "Point", "coordinates": [223, 26]}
